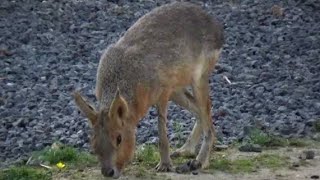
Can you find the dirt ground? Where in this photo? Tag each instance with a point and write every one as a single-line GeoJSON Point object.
{"type": "Point", "coordinates": [307, 170]}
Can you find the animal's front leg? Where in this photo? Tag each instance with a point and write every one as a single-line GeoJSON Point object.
{"type": "Point", "coordinates": [165, 163]}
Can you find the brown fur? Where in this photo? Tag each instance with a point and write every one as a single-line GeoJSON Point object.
{"type": "Point", "coordinates": [168, 49]}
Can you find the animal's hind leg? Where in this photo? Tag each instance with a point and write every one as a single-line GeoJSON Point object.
{"type": "Point", "coordinates": [201, 90]}
{"type": "Point", "coordinates": [185, 99]}
{"type": "Point", "coordinates": [201, 94]}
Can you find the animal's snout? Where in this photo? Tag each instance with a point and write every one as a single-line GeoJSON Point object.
{"type": "Point", "coordinates": [108, 172]}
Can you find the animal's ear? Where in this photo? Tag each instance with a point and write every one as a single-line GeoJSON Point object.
{"type": "Point", "coordinates": [119, 107]}
{"type": "Point", "coordinates": [85, 108]}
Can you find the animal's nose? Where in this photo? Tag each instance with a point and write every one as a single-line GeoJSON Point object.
{"type": "Point", "coordinates": [109, 172]}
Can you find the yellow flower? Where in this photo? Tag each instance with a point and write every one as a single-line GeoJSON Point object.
{"type": "Point", "coordinates": [60, 165]}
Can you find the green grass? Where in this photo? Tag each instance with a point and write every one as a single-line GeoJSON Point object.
{"type": "Point", "coordinates": [180, 160]}
{"type": "Point", "coordinates": [271, 161]}
{"type": "Point", "coordinates": [25, 173]}
{"type": "Point", "coordinates": [141, 172]}
{"type": "Point", "coordinates": [70, 156]}
{"type": "Point", "coordinates": [249, 164]}
{"type": "Point", "coordinates": [298, 142]}
{"type": "Point", "coordinates": [148, 155]}
{"type": "Point", "coordinates": [67, 155]}
{"type": "Point", "coordinates": [177, 128]}
{"type": "Point", "coordinates": [259, 137]}
{"type": "Point", "coordinates": [269, 141]}
{"type": "Point", "coordinates": [232, 166]}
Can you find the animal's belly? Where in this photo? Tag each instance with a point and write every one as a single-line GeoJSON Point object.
{"type": "Point", "coordinates": [176, 77]}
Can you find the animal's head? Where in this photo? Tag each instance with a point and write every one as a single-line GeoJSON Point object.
{"type": "Point", "coordinates": [113, 140]}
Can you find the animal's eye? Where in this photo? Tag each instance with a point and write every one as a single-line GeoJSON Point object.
{"type": "Point", "coordinates": [119, 140]}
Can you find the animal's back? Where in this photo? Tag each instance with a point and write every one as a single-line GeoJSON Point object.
{"type": "Point", "coordinates": [163, 47]}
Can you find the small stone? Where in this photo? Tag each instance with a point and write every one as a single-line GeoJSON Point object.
{"type": "Point", "coordinates": [19, 122]}
{"type": "Point", "coordinates": [74, 136]}
{"type": "Point", "coordinates": [317, 105]}
{"type": "Point", "coordinates": [308, 154]}
{"type": "Point", "coordinates": [295, 164]}
{"type": "Point", "coordinates": [282, 108]}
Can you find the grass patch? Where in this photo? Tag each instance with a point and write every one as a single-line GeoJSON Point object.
{"type": "Point", "coordinates": [222, 163]}
{"type": "Point", "coordinates": [148, 155]}
{"type": "Point", "coordinates": [71, 157]}
{"type": "Point", "coordinates": [141, 171]}
{"type": "Point", "coordinates": [25, 173]}
{"type": "Point", "coordinates": [180, 160]}
{"type": "Point", "coordinates": [271, 161]}
{"type": "Point", "coordinates": [66, 154]}
{"type": "Point", "coordinates": [246, 165]}
{"type": "Point", "coordinates": [298, 142]}
{"type": "Point", "coordinates": [270, 141]}
{"type": "Point", "coordinates": [258, 137]}
{"type": "Point", "coordinates": [177, 128]}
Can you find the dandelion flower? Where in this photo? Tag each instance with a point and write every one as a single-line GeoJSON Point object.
{"type": "Point", "coordinates": [60, 165]}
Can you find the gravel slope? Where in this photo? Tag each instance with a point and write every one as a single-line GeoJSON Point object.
{"type": "Point", "coordinates": [49, 48]}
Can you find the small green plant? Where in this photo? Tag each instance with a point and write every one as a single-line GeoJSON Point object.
{"type": "Point", "coordinates": [65, 154]}
{"type": "Point", "coordinates": [25, 173]}
{"type": "Point", "coordinates": [259, 137]}
{"type": "Point", "coordinates": [177, 128]}
{"type": "Point", "coordinates": [148, 155]}
{"type": "Point", "coordinates": [266, 140]}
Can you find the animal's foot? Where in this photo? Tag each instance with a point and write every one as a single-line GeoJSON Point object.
{"type": "Point", "coordinates": [189, 166]}
{"type": "Point", "coordinates": [164, 167]}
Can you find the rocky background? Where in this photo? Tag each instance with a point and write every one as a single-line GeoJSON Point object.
{"type": "Point", "coordinates": [268, 75]}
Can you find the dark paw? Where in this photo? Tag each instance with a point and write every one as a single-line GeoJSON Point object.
{"type": "Point", "coordinates": [189, 166]}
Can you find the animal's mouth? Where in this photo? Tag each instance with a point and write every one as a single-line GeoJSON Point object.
{"type": "Point", "coordinates": [117, 173]}
{"type": "Point", "coordinates": [114, 173]}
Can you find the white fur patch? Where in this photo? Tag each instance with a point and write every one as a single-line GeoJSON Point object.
{"type": "Point", "coordinates": [198, 70]}
{"type": "Point", "coordinates": [200, 67]}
